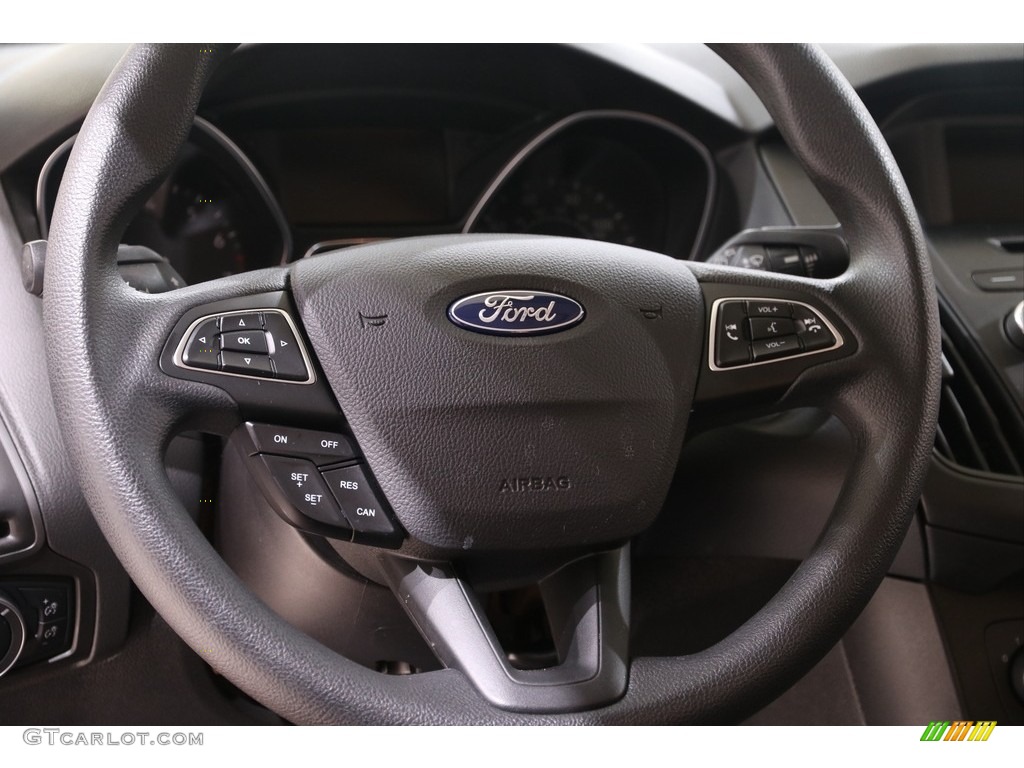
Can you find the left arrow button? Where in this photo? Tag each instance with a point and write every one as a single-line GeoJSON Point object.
{"type": "Point", "coordinates": [204, 346]}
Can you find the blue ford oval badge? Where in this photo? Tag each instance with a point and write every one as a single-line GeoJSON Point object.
{"type": "Point", "coordinates": [516, 313]}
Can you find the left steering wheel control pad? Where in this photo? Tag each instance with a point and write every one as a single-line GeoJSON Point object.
{"type": "Point", "coordinates": [253, 348]}
{"type": "Point", "coordinates": [263, 344]}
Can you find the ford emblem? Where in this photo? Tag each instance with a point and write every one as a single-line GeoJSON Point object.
{"type": "Point", "coordinates": [516, 313]}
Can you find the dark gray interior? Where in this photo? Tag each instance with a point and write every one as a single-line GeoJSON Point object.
{"type": "Point", "coordinates": [335, 147]}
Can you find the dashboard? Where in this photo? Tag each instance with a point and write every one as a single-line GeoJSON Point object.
{"type": "Point", "coordinates": [299, 151]}
{"type": "Point", "coordinates": [291, 175]}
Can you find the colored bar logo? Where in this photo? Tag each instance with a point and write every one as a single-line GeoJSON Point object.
{"type": "Point", "coordinates": [958, 730]}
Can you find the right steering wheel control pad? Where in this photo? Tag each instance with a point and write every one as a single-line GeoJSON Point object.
{"type": "Point", "coordinates": [752, 331]}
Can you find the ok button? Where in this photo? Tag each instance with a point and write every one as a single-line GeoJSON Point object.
{"type": "Point", "coordinates": [244, 341]}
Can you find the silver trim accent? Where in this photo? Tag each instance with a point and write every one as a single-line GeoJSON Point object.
{"type": "Point", "coordinates": [67, 654]}
{"type": "Point", "coordinates": [1018, 316]}
{"type": "Point", "coordinates": [219, 138]}
{"type": "Point", "coordinates": [603, 114]}
{"type": "Point", "coordinates": [179, 352]}
{"type": "Point", "coordinates": [342, 242]}
{"type": "Point", "coordinates": [714, 324]}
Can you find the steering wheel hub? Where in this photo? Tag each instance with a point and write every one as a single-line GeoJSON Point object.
{"type": "Point", "coordinates": [509, 442]}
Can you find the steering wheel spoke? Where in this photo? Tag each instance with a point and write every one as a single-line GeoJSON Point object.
{"type": "Point", "coordinates": [587, 604]}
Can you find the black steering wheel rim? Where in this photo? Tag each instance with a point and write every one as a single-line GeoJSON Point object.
{"type": "Point", "coordinates": [886, 394]}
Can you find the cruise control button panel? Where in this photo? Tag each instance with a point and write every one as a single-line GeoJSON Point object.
{"type": "Point", "coordinates": [748, 331]}
{"type": "Point", "coordinates": [261, 344]}
{"type": "Point", "coordinates": [317, 481]}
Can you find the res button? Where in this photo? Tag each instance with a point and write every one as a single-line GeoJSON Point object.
{"type": "Point", "coordinates": [364, 510]}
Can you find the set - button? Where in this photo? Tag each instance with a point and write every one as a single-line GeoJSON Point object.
{"type": "Point", "coordinates": [260, 344]}
{"type": "Point", "coordinates": [760, 330]}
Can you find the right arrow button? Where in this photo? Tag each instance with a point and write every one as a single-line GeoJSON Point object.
{"type": "Point", "coordinates": [288, 360]}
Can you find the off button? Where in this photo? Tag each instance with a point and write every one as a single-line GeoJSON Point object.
{"type": "Point", "coordinates": [360, 504]}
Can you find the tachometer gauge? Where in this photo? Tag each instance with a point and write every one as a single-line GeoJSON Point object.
{"type": "Point", "coordinates": [213, 216]}
{"type": "Point", "coordinates": [198, 217]}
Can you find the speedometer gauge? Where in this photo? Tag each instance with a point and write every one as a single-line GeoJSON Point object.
{"type": "Point", "coordinates": [620, 177]}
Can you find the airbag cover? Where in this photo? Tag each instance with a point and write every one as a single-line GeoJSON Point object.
{"type": "Point", "coordinates": [509, 442]}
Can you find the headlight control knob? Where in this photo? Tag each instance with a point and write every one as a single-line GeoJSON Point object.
{"type": "Point", "coordinates": [1015, 325]}
{"type": "Point", "coordinates": [12, 634]}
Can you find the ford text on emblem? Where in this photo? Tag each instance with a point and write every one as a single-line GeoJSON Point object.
{"type": "Point", "coordinates": [516, 313]}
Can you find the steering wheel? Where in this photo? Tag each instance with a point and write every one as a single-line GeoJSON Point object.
{"type": "Point", "coordinates": [553, 445]}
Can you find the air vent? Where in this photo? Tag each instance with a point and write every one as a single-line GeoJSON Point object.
{"type": "Point", "coordinates": [1009, 244]}
{"type": "Point", "coordinates": [980, 427]}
